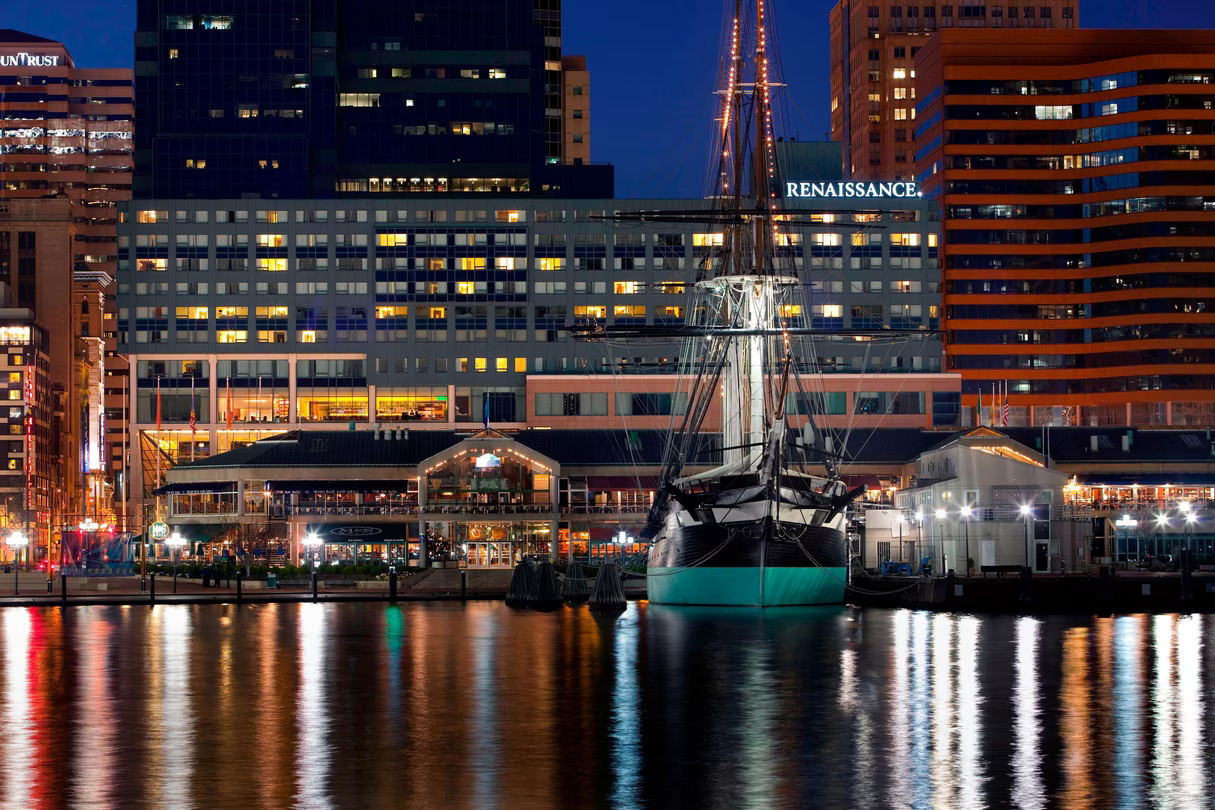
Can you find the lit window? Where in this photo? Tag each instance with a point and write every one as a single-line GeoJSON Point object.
{"type": "Point", "coordinates": [905, 239]}
{"type": "Point", "coordinates": [932, 240]}
{"type": "Point", "coordinates": [393, 239]}
{"type": "Point", "coordinates": [272, 265]}
{"type": "Point", "coordinates": [173, 53]}
{"type": "Point", "coordinates": [900, 92]}
{"type": "Point", "coordinates": [707, 239]}
{"type": "Point", "coordinates": [307, 336]}
{"type": "Point", "coordinates": [358, 99]}
{"type": "Point", "coordinates": [470, 263]}
{"type": "Point", "coordinates": [629, 311]}
{"type": "Point", "coordinates": [826, 239]}
{"type": "Point", "coordinates": [899, 73]}
{"type": "Point", "coordinates": [790, 310]}
{"type": "Point", "coordinates": [520, 362]}
{"type": "Point", "coordinates": [497, 73]}
{"type": "Point", "coordinates": [192, 313]}
{"type": "Point", "coordinates": [480, 364]}
{"type": "Point", "coordinates": [628, 287]}
{"type": "Point", "coordinates": [900, 113]}
{"type": "Point", "coordinates": [231, 336]}
{"type": "Point", "coordinates": [437, 313]}
{"type": "Point", "coordinates": [232, 312]}
{"type": "Point", "coordinates": [149, 217]}
{"type": "Point", "coordinates": [832, 310]}
{"type": "Point", "coordinates": [465, 287]}
{"type": "Point", "coordinates": [271, 312]}
{"type": "Point", "coordinates": [271, 240]}
{"type": "Point", "coordinates": [590, 312]}
{"type": "Point", "coordinates": [150, 265]}
{"type": "Point", "coordinates": [501, 364]}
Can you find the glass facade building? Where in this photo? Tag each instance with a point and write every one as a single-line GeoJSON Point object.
{"type": "Point", "coordinates": [321, 98]}
{"type": "Point", "coordinates": [1074, 174]}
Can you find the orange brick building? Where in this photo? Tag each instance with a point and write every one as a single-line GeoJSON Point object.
{"type": "Point", "coordinates": [873, 72]}
{"type": "Point", "coordinates": [66, 160]}
{"type": "Point", "coordinates": [1075, 172]}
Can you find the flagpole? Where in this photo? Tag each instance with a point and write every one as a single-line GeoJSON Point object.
{"type": "Point", "coordinates": [193, 440]}
{"type": "Point", "coordinates": [980, 406]}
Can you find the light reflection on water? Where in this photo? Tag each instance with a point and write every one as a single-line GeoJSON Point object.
{"type": "Point", "coordinates": [478, 705]}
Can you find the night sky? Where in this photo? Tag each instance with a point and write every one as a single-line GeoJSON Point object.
{"type": "Point", "coordinates": [654, 66]}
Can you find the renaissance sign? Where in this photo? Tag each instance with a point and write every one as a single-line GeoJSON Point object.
{"type": "Point", "coordinates": [28, 60]}
{"type": "Point", "coordinates": [851, 190]}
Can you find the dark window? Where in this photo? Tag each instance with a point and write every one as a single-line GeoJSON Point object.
{"type": "Point", "coordinates": [900, 52]}
{"type": "Point", "coordinates": [873, 11]}
{"type": "Point", "coordinates": [875, 56]}
{"type": "Point", "coordinates": [1067, 13]}
{"type": "Point", "coordinates": [1044, 12]}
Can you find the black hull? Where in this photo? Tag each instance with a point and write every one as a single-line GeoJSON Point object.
{"type": "Point", "coordinates": [739, 545]}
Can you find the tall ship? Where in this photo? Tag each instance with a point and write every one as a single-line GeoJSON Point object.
{"type": "Point", "coordinates": [759, 528]}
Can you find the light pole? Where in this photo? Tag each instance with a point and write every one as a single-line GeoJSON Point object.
{"type": "Point", "coordinates": [175, 542]}
{"type": "Point", "coordinates": [1162, 525]}
{"type": "Point", "coordinates": [313, 542]}
{"type": "Point", "coordinates": [940, 515]}
{"type": "Point", "coordinates": [919, 540]}
{"type": "Point", "coordinates": [965, 510]}
{"type": "Point", "coordinates": [1026, 511]}
{"type": "Point", "coordinates": [16, 542]}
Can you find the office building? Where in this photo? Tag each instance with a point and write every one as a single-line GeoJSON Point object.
{"type": "Point", "coordinates": [320, 98]}
{"type": "Point", "coordinates": [66, 154]}
{"type": "Point", "coordinates": [873, 70]}
{"type": "Point", "coordinates": [445, 312]}
{"type": "Point", "coordinates": [29, 472]}
{"type": "Point", "coordinates": [1074, 170]}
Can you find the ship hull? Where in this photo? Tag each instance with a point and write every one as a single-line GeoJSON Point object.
{"type": "Point", "coordinates": [755, 561]}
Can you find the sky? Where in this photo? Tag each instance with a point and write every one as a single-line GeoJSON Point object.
{"type": "Point", "coordinates": [654, 67]}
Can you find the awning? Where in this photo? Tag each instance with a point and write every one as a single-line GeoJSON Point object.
{"type": "Point", "coordinates": [1148, 480]}
{"type": "Point", "coordinates": [614, 483]}
{"type": "Point", "coordinates": [358, 533]}
{"type": "Point", "coordinates": [201, 532]}
{"type": "Point", "coordinates": [197, 488]}
{"type": "Point", "coordinates": [369, 485]}
{"type": "Point", "coordinates": [867, 481]}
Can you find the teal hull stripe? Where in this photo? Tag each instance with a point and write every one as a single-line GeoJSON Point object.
{"type": "Point", "coordinates": [740, 586]}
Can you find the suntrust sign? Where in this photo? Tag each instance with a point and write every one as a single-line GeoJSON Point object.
{"type": "Point", "coordinates": [851, 190]}
{"type": "Point", "coordinates": [28, 60]}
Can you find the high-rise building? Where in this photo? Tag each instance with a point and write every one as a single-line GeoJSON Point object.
{"type": "Point", "coordinates": [66, 151]}
{"type": "Point", "coordinates": [873, 70]}
{"type": "Point", "coordinates": [320, 98]}
{"type": "Point", "coordinates": [1074, 174]}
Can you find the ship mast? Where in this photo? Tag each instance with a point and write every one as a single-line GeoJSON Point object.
{"type": "Point", "coordinates": [747, 281]}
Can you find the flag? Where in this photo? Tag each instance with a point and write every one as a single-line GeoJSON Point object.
{"type": "Point", "coordinates": [158, 404]}
{"type": "Point", "coordinates": [485, 409]}
{"type": "Point", "coordinates": [229, 383]}
{"type": "Point", "coordinates": [1006, 403]}
{"type": "Point", "coordinates": [980, 407]}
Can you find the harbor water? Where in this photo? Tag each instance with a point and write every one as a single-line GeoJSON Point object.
{"type": "Point", "coordinates": [366, 705]}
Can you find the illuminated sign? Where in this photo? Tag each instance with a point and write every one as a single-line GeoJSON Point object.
{"type": "Point", "coordinates": [354, 531]}
{"type": "Point", "coordinates": [851, 190]}
{"type": "Point", "coordinates": [28, 60]}
{"type": "Point", "coordinates": [487, 461]}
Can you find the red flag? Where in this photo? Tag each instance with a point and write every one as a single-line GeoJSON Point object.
{"type": "Point", "coordinates": [229, 403]}
{"type": "Point", "coordinates": [1006, 403]}
{"type": "Point", "coordinates": [158, 404]}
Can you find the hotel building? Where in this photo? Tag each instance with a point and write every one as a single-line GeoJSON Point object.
{"type": "Point", "coordinates": [66, 154]}
{"type": "Point", "coordinates": [447, 312]}
{"type": "Point", "coordinates": [1074, 170]}
{"type": "Point", "coordinates": [873, 70]}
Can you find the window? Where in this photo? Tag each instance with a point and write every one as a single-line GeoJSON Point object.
{"type": "Point", "coordinates": [272, 265]}
{"type": "Point", "coordinates": [271, 240]}
{"type": "Point", "coordinates": [231, 336]}
{"type": "Point", "coordinates": [900, 113]}
{"type": "Point", "coordinates": [900, 93]}
{"type": "Point", "coordinates": [358, 99]}
{"type": "Point", "coordinates": [899, 73]}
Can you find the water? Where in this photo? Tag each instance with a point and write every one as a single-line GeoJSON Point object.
{"type": "Point", "coordinates": [477, 705]}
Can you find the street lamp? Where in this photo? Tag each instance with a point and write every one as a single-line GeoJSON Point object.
{"type": "Point", "coordinates": [1190, 519]}
{"type": "Point", "coordinates": [17, 541]}
{"type": "Point", "coordinates": [175, 542]}
{"type": "Point", "coordinates": [940, 515]}
{"type": "Point", "coordinates": [313, 541]}
{"type": "Point", "coordinates": [1026, 511]}
{"type": "Point", "coordinates": [966, 510]}
{"type": "Point", "coordinates": [1126, 523]}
